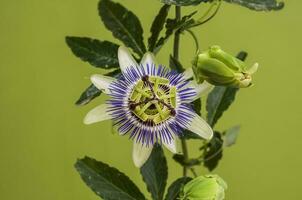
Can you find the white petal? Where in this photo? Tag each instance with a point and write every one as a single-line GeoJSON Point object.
{"type": "Point", "coordinates": [172, 146]}
{"type": "Point", "coordinates": [125, 59]}
{"type": "Point", "coordinates": [253, 69]}
{"type": "Point", "coordinates": [97, 114]}
{"type": "Point", "coordinates": [102, 82]}
{"type": "Point", "coordinates": [188, 73]}
{"type": "Point", "coordinates": [201, 89]}
{"type": "Point", "coordinates": [140, 154]}
{"type": "Point", "coordinates": [200, 127]}
{"type": "Point", "coordinates": [148, 58]}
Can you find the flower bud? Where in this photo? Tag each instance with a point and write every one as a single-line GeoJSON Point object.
{"type": "Point", "coordinates": [209, 187]}
{"type": "Point", "coordinates": [220, 68]}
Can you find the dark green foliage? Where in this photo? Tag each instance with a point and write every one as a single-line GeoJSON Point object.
{"type": "Point", "coordinates": [107, 182]}
{"type": "Point", "coordinates": [175, 64]}
{"type": "Point", "coordinates": [92, 92]}
{"type": "Point", "coordinates": [88, 95]}
{"type": "Point", "coordinates": [102, 54]}
{"type": "Point", "coordinates": [155, 173]}
{"type": "Point", "coordinates": [190, 135]}
{"type": "Point", "coordinates": [175, 188]}
{"type": "Point", "coordinates": [259, 5]}
{"type": "Point", "coordinates": [219, 100]}
{"type": "Point", "coordinates": [242, 55]}
{"type": "Point", "coordinates": [183, 2]}
{"type": "Point", "coordinates": [197, 106]}
{"type": "Point", "coordinates": [213, 152]}
{"type": "Point", "coordinates": [173, 25]}
{"type": "Point", "coordinates": [157, 26]}
{"type": "Point", "coordinates": [123, 24]}
{"type": "Point", "coordinates": [230, 136]}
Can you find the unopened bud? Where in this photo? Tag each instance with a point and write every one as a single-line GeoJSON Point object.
{"type": "Point", "coordinates": [209, 187]}
{"type": "Point", "coordinates": [220, 68]}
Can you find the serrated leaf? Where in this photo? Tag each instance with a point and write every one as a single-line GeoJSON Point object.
{"type": "Point", "coordinates": [175, 188]}
{"type": "Point", "coordinates": [183, 2]}
{"type": "Point", "coordinates": [123, 24]}
{"type": "Point", "coordinates": [173, 25]}
{"type": "Point", "coordinates": [88, 95]}
{"type": "Point", "coordinates": [219, 100]}
{"type": "Point", "coordinates": [259, 5]}
{"type": "Point", "coordinates": [92, 92]}
{"type": "Point", "coordinates": [107, 182]}
{"type": "Point", "coordinates": [155, 173]}
{"type": "Point", "coordinates": [213, 152]}
{"type": "Point", "coordinates": [101, 54]}
{"type": "Point", "coordinates": [230, 136]}
{"type": "Point", "coordinates": [157, 26]}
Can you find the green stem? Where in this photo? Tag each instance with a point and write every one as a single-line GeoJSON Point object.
{"type": "Point", "coordinates": [176, 56]}
{"type": "Point", "coordinates": [177, 34]}
{"type": "Point", "coordinates": [185, 154]}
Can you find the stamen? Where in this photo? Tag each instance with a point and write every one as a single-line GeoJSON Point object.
{"type": "Point", "coordinates": [157, 106]}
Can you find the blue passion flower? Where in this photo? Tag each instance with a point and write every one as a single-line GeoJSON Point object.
{"type": "Point", "coordinates": [150, 103]}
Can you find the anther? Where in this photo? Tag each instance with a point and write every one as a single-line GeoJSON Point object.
{"type": "Point", "coordinates": [172, 112]}
{"type": "Point", "coordinates": [145, 78]}
{"type": "Point", "coordinates": [132, 106]}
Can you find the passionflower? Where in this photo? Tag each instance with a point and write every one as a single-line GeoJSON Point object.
{"type": "Point", "coordinates": [208, 187]}
{"type": "Point", "coordinates": [150, 103]}
{"type": "Point", "coordinates": [220, 68]}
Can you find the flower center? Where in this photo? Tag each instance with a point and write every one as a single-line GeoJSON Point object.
{"type": "Point", "coordinates": [153, 99]}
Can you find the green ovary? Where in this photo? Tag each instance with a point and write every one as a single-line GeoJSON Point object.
{"type": "Point", "coordinates": [153, 99]}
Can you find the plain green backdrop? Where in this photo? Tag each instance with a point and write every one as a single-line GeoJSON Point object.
{"type": "Point", "coordinates": [41, 130]}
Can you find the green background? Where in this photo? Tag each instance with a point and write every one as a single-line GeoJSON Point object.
{"type": "Point", "coordinates": [41, 130]}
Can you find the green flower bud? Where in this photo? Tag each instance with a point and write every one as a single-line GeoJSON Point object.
{"type": "Point", "coordinates": [209, 187]}
{"type": "Point", "coordinates": [220, 68]}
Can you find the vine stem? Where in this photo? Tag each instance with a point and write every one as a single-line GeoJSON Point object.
{"type": "Point", "coordinates": [177, 34]}
{"type": "Point", "coordinates": [176, 56]}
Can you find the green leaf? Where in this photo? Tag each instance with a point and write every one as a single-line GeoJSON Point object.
{"type": "Point", "coordinates": [92, 92]}
{"type": "Point", "coordinates": [175, 188]}
{"type": "Point", "coordinates": [155, 173]}
{"type": "Point", "coordinates": [157, 26]}
{"type": "Point", "coordinates": [231, 135]}
{"type": "Point", "coordinates": [197, 106]}
{"type": "Point", "coordinates": [190, 135]}
{"type": "Point", "coordinates": [123, 24]}
{"type": "Point", "coordinates": [88, 95]}
{"type": "Point", "coordinates": [183, 2]}
{"type": "Point", "coordinates": [107, 182]}
{"type": "Point", "coordinates": [173, 25]}
{"type": "Point", "coordinates": [242, 55]}
{"type": "Point", "coordinates": [259, 5]}
{"type": "Point", "coordinates": [219, 100]}
{"type": "Point", "coordinates": [102, 54]}
{"type": "Point", "coordinates": [213, 152]}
